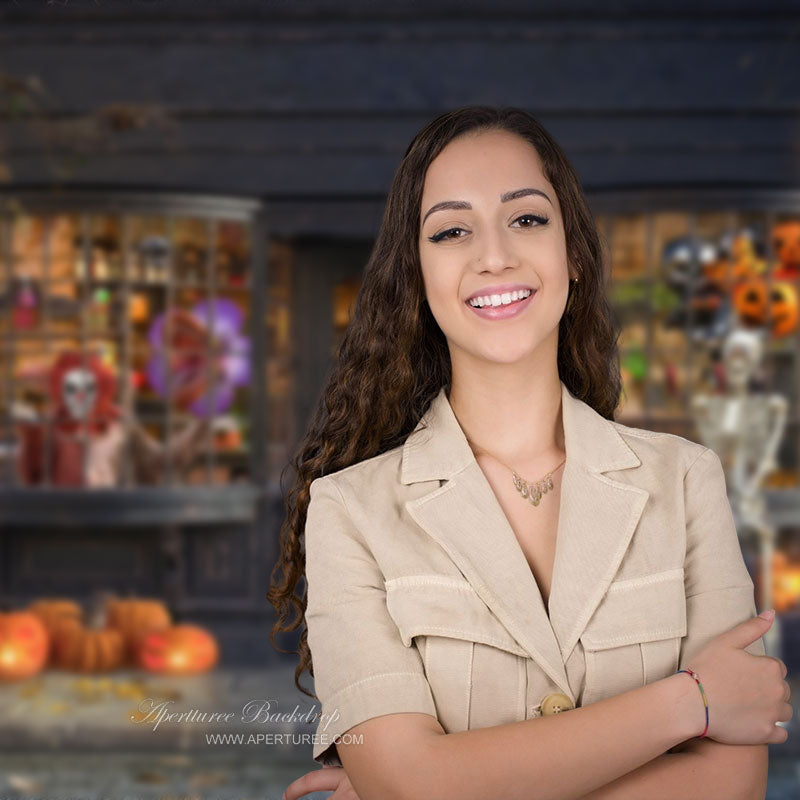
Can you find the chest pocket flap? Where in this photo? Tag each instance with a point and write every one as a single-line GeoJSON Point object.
{"type": "Point", "coordinates": [438, 605]}
{"type": "Point", "coordinates": [643, 609]}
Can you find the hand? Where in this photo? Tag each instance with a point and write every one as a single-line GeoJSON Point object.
{"type": "Point", "coordinates": [327, 779]}
{"type": "Point", "coordinates": [746, 694]}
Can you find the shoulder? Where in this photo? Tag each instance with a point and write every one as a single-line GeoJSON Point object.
{"type": "Point", "coordinates": [377, 474]}
{"type": "Point", "coordinates": [661, 450]}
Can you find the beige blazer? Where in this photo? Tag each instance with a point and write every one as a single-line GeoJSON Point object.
{"type": "Point", "coordinates": [420, 597]}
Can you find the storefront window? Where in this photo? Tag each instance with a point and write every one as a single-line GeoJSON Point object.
{"type": "Point", "coordinates": [126, 348]}
{"type": "Point", "coordinates": [681, 280]}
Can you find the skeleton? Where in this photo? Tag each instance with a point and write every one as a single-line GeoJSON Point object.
{"type": "Point", "coordinates": [745, 430]}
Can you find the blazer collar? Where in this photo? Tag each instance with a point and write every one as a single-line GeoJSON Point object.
{"type": "Point", "coordinates": [597, 517]}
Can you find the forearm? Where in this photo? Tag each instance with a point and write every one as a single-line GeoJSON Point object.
{"type": "Point", "coordinates": [563, 756]}
{"type": "Point", "coordinates": [700, 773]}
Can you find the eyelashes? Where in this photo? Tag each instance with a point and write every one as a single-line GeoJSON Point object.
{"type": "Point", "coordinates": [540, 219]}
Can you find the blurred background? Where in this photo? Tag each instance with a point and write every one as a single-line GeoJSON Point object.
{"type": "Point", "coordinates": [189, 192]}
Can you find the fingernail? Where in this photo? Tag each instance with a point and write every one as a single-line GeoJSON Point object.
{"type": "Point", "coordinates": [768, 614]}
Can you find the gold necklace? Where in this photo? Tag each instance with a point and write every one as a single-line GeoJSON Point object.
{"type": "Point", "coordinates": [531, 491]}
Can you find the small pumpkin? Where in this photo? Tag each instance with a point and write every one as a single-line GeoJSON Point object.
{"type": "Point", "coordinates": [24, 645]}
{"type": "Point", "coordinates": [52, 611]}
{"type": "Point", "coordinates": [87, 649]}
{"type": "Point", "coordinates": [179, 650]}
{"type": "Point", "coordinates": [134, 617]}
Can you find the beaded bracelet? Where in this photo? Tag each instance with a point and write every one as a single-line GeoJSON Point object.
{"type": "Point", "coordinates": [694, 675]}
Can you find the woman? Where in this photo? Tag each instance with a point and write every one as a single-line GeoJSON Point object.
{"type": "Point", "coordinates": [483, 545]}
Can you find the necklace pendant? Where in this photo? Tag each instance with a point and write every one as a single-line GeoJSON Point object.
{"type": "Point", "coordinates": [533, 491]}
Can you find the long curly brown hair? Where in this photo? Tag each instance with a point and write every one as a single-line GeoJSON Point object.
{"type": "Point", "coordinates": [393, 357]}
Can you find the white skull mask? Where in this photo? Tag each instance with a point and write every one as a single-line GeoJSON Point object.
{"type": "Point", "coordinates": [79, 392]}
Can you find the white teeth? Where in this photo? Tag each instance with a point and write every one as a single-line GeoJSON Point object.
{"type": "Point", "coordinates": [499, 299]}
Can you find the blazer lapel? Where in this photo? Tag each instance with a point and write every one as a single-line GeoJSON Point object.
{"type": "Point", "coordinates": [596, 521]}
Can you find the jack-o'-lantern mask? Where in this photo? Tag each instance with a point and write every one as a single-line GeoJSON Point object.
{"type": "Point", "coordinates": [786, 244]}
{"type": "Point", "coordinates": [750, 301]}
{"type": "Point", "coordinates": [778, 309]}
{"type": "Point", "coordinates": [783, 309]}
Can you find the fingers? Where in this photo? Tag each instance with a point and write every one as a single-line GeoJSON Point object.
{"type": "Point", "coordinates": [781, 665]}
{"type": "Point", "coordinates": [318, 780]}
{"type": "Point", "coordinates": [779, 737]}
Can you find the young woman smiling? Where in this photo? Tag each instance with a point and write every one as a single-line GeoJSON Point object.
{"type": "Point", "coordinates": [505, 586]}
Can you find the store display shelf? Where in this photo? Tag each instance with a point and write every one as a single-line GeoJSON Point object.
{"type": "Point", "coordinates": [141, 506]}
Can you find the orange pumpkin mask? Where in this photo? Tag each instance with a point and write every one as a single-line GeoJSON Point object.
{"type": "Point", "coordinates": [786, 244]}
{"type": "Point", "coordinates": [778, 311]}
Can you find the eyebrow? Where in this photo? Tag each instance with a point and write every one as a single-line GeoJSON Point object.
{"type": "Point", "coordinates": [504, 198]}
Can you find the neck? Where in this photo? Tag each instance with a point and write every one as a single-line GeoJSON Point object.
{"type": "Point", "coordinates": [517, 421]}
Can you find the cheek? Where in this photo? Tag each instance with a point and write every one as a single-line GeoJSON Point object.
{"type": "Point", "coordinates": [441, 290]}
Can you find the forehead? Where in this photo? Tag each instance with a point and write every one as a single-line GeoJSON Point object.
{"type": "Point", "coordinates": [78, 375]}
{"type": "Point", "coordinates": [484, 164]}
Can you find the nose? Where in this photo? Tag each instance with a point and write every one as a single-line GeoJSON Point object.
{"type": "Point", "coordinates": [495, 252]}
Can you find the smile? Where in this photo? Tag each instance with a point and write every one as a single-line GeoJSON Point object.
{"type": "Point", "coordinates": [501, 306]}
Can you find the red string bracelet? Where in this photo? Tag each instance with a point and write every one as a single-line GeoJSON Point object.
{"type": "Point", "coordinates": [691, 673]}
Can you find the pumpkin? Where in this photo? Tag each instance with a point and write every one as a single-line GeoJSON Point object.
{"type": "Point", "coordinates": [91, 649]}
{"type": "Point", "coordinates": [24, 645]}
{"type": "Point", "coordinates": [133, 617]}
{"type": "Point", "coordinates": [51, 611]}
{"type": "Point", "coordinates": [179, 650]}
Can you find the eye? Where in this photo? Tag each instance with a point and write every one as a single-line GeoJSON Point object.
{"type": "Point", "coordinates": [540, 219]}
{"type": "Point", "coordinates": [444, 235]}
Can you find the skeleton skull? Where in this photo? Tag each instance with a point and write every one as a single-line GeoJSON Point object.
{"type": "Point", "coordinates": [79, 392]}
{"type": "Point", "coordinates": [742, 354]}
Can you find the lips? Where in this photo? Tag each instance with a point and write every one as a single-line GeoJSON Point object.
{"type": "Point", "coordinates": [499, 289]}
{"type": "Point", "coordinates": [503, 311]}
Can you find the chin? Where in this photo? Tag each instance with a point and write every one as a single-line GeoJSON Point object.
{"type": "Point", "coordinates": [502, 355]}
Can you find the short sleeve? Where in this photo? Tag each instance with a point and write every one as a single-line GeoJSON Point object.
{"type": "Point", "coordinates": [719, 589]}
{"type": "Point", "coordinates": [361, 667]}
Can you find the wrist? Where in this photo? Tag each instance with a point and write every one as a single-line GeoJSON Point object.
{"type": "Point", "coordinates": [683, 696]}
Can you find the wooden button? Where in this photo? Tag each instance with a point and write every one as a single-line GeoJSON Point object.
{"type": "Point", "coordinates": [556, 703]}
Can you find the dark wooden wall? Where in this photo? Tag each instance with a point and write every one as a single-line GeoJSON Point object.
{"type": "Point", "coordinates": [319, 98]}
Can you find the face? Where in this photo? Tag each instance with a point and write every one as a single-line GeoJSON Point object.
{"type": "Point", "coordinates": [497, 240]}
{"type": "Point", "coordinates": [79, 390]}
